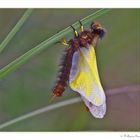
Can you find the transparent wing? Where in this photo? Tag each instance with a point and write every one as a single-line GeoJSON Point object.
{"type": "Point", "coordinates": [84, 79]}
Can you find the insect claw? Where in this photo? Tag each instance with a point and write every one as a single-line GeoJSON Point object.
{"type": "Point", "coordinates": [64, 42]}
{"type": "Point", "coordinates": [81, 26]}
{"type": "Point", "coordinates": [75, 32]}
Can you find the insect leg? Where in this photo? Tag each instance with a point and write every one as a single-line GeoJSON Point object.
{"type": "Point", "coordinates": [75, 32]}
{"type": "Point", "coordinates": [81, 26]}
{"type": "Point", "coordinates": [64, 42]}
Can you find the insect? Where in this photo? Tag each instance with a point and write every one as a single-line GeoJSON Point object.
{"type": "Point", "coordinates": [79, 69]}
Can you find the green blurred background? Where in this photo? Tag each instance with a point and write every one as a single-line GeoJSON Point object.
{"type": "Point", "coordinates": [29, 87]}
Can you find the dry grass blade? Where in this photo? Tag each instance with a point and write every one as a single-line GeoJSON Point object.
{"type": "Point", "coordinates": [115, 91]}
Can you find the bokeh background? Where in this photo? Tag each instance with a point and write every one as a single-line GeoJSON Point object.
{"type": "Point", "coordinates": [30, 86]}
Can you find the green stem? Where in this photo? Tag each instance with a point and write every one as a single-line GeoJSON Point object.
{"type": "Point", "coordinates": [15, 29]}
{"type": "Point", "coordinates": [49, 42]}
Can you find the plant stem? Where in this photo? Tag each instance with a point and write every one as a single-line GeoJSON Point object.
{"type": "Point", "coordinates": [49, 42]}
{"type": "Point", "coordinates": [115, 91]}
{"type": "Point", "coordinates": [15, 29]}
